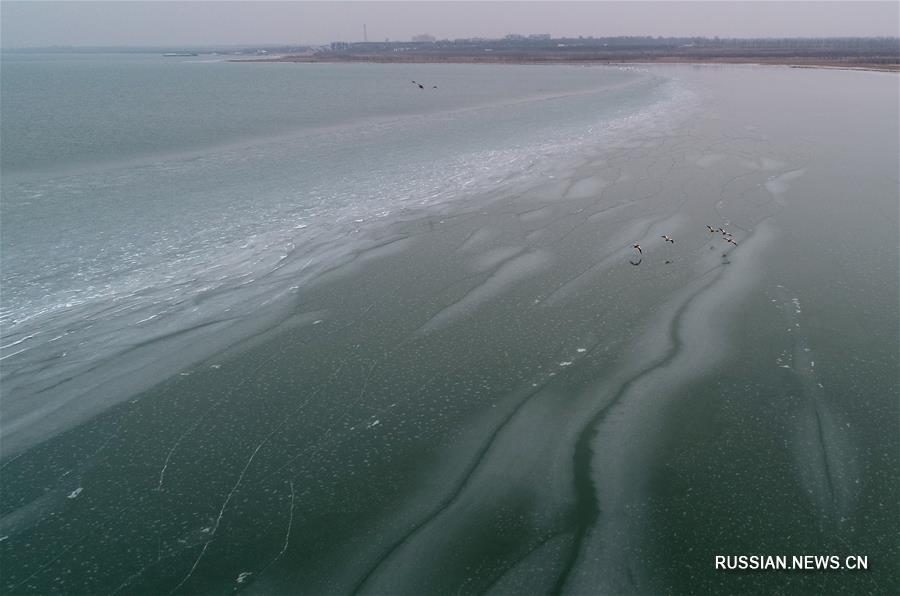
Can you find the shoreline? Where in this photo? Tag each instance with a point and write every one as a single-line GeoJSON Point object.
{"type": "Point", "coordinates": [421, 59]}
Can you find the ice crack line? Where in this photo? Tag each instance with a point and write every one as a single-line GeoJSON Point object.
{"type": "Point", "coordinates": [219, 518]}
{"type": "Point", "coordinates": [43, 567]}
{"type": "Point", "coordinates": [287, 534]}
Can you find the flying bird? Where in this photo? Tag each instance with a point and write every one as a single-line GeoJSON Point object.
{"type": "Point", "coordinates": [638, 247]}
{"type": "Point", "coordinates": [668, 238]}
{"type": "Point", "coordinates": [710, 228]}
{"type": "Point", "coordinates": [732, 241]}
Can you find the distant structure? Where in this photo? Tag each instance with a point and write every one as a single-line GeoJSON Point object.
{"type": "Point", "coordinates": [531, 37]}
{"type": "Point", "coordinates": [882, 53]}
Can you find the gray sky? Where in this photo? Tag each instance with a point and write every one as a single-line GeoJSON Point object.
{"type": "Point", "coordinates": [120, 23]}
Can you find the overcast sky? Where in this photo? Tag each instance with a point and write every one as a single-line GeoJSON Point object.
{"type": "Point", "coordinates": [121, 23]}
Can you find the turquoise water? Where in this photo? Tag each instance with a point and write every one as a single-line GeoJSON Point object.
{"type": "Point", "coordinates": [146, 197]}
{"type": "Point", "coordinates": [412, 351]}
{"type": "Point", "coordinates": [66, 110]}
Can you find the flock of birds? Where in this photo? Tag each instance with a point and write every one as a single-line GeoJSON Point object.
{"type": "Point", "coordinates": [726, 235]}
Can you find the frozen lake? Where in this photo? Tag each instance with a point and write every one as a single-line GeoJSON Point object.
{"type": "Point", "coordinates": [465, 379]}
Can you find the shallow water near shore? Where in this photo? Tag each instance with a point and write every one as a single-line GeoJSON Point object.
{"type": "Point", "coordinates": [464, 379]}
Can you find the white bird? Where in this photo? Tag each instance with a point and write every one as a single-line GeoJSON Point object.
{"type": "Point", "coordinates": [668, 239]}
{"type": "Point", "coordinates": [638, 247]}
{"type": "Point", "coordinates": [731, 240]}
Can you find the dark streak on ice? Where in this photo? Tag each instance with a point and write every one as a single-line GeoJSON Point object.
{"type": "Point", "coordinates": [586, 506]}
{"type": "Point", "coordinates": [824, 453]}
{"type": "Point", "coordinates": [132, 348]}
{"type": "Point", "coordinates": [450, 499]}
{"type": "Point", "coordinates": [528, 553]}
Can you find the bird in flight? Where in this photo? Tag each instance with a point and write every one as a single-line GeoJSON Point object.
{"type": "Point", "coordinates": [731, 240]}
{"type": "Point", "coordinates": [638, 247]}
{"type": "Point", "coordinates": [668, 238]}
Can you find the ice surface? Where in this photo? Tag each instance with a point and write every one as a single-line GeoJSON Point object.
{"type": "Point", "coordinates": [508, 274]}
{"type": "Point", "coordinates": [779, 185]}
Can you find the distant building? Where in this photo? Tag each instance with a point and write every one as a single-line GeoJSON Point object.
{"type": "Point", "coordinates": [539, 36]}
{"type": "Point", "coordinates": [424, 38]}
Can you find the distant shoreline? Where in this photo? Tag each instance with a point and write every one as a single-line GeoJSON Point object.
{"type": "Point", "coordinates": [798, 62]}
